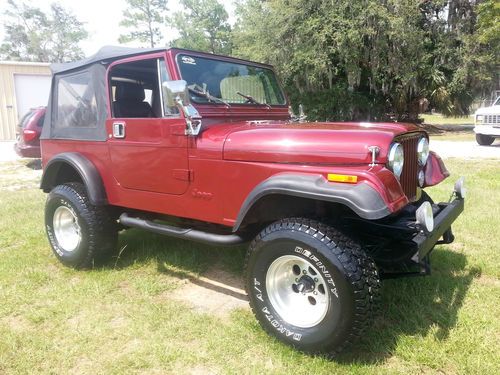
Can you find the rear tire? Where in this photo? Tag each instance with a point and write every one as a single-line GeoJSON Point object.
{"type": "Point", "coordinates": [79, 233]}
{"type": "Point", "coordinates": [484, 140]}
{"type": "Point", "coordinates": [311, 286]}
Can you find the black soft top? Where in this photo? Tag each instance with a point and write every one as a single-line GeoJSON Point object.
{"type": "Point", "coordinates": [77, 107]}
{"type": "Point", "coordinates": [106, 53]}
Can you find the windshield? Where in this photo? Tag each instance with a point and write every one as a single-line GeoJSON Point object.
{"type": "Point", "coordinates": [215, 81]}
{"type": "Point", "coordinates": [497, 102]}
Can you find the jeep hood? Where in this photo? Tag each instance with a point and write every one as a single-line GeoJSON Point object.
{"type": "Point", "coordinates": [313, 143]}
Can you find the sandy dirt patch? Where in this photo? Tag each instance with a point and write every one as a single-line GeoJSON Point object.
{"type": "Point", "coordinates": [20, 174]}
{"type": "Point", "coordinates": [216, 292]}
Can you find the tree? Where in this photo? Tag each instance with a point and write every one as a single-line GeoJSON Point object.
{"type": "Point", "coordinates": [203, 25]}
{"type": "Point", "coordinates": [32, 35]}
{"type": "Point", "coordinates": [486, 47]}
{"type": "Point", "coordinates": [364, 59]}
{"type": "Point", "coordinates": [346, 61]}
{"type": "Point", "coordinates": [145, 18]}
{"type": "Point", "coordinates": [67, 31]}
{"type": "Point", "coordinates": [462, 52]}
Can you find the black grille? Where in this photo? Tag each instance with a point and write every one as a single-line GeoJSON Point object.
{"type": "Point", "coordinates": [409, 176]}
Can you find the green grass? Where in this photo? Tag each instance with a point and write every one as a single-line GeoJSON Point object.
{"type": "Point", "coordinates": [437, 119]}
{"type": "Point", "coordinates": [119, 318]}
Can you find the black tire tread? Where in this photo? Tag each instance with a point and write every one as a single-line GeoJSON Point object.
{"type": "Point", "coordinates": [102, 230]}
{"type": "Point", "coordinates": [361, 271]}
{"type": "Point", "coordinates": [484, 140]}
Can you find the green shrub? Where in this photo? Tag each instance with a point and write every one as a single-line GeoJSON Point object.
{"type": "Point", "coordinates": [338, 104]}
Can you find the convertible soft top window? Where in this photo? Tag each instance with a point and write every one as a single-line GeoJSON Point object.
{"type": "Point", "coordinates": [234, 83]}
{"type": "Point", "coordinates": [76, 104]}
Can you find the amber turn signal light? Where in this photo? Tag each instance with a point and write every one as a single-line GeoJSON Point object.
{"type": "Point", "coordinates": [332, 177]}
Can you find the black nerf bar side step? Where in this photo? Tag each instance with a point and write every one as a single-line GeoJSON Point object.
{"type": "Point", "coordinates": [186, 233]}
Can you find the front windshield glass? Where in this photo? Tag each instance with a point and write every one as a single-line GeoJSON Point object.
{"type": "Point", "coordinates": [216, 81]}
{"type": "Point", "coordinates": [497, 102]}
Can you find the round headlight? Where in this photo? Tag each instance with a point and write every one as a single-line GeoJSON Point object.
{"type": "Point", "coordinates": [460, 188]}
{"type": "Point", "coordinates": [423, 151]}
{"type": "Point", "coordinates": [395, 159]}
{"type": "Point", "coordinates": [425, 216]}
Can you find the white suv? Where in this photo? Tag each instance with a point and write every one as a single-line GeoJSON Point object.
{"type": "Point", "coordinates": [487, 123]}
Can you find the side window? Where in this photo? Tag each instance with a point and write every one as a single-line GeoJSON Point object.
{"type": "Point", "coordinates": [135, 89]}
{"type": "Point", "coordinates": [76, 102]}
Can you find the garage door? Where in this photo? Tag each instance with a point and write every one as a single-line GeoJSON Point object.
{"type": "Point", "coordinates": [32, 90]}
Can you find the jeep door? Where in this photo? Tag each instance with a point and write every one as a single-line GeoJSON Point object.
{"type": "Point", "coordinates": [147, 144]}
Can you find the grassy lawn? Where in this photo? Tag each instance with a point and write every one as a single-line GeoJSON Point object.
{"type": "Point", "coordinates": [120, 318]}
{"type": "Point", "coordinates": [437, 119]}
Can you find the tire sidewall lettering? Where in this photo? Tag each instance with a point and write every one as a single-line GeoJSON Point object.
{"type": "Point", "coordinates": [308, 254]}
{"type": "Point", "coordinates": [273, 320]}
{"type": "Point", "coordinates": [269, 317]}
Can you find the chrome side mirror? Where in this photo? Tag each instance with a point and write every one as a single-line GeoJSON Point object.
{"type": "Point", "coordinates": [176, 94]}
{"type": "Point", "coordinates": [173, 91]}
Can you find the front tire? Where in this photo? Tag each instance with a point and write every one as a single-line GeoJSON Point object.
{"type": "Point", "coordinates": [78, 232]}
{"type": "Point", "coordinates": [484, 140]}
{"type": "Point", "coordinates": [311, 286]}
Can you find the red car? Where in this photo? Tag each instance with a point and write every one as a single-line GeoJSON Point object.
{"type": "Point", "coordinates": [28, 133]}
{"type": "Point", "coordinates": [203, 147]}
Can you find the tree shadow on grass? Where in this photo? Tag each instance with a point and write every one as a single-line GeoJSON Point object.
{"type": "Point", "coordinates": [177, 256]}
{"type": "Point", "coordinates": [416, 306]}
{"type": "Point", "coordinates": [35, 164]}
{"type": "Point", "coordinates": [409, 306]}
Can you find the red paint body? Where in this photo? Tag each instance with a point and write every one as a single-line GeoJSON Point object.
{"type": "Point", "coordinates": [159, 169]}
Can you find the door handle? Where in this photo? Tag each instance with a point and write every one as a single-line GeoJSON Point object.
{"type": "Point", "coordinates": [118, 130]}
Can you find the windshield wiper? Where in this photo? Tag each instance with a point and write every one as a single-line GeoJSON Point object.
{"type": "Point", "coordinates": [207, 95]}
{"type": "Point", "coordinates": [251, 99]}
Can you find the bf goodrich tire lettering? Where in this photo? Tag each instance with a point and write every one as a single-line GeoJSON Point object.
{"type": "Point", "coordinates": [78, 232]}
{"type": "Point", "coordinates": [323, 266]}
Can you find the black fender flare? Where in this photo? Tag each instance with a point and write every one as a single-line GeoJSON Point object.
{"type": "Point", "coordinates": [361, 198]}
{"type": "Point", "coordinates": [85, 169]}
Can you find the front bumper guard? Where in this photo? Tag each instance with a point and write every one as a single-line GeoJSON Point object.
{"type": "Point", "coordinates": [447, 214]}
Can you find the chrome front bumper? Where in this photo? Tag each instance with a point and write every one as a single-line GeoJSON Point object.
{"type": "Point", "coordinates": [493, 130]}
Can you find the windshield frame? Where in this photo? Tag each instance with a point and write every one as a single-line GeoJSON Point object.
{"type": "Point", "coordinates": [226, 59]}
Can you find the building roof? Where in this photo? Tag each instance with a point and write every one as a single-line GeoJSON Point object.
{"type": "Point", "coordinates": [24, 63]}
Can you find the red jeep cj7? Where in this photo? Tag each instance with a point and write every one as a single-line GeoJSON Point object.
{"type": "Point", "coordinates": [203, 147]}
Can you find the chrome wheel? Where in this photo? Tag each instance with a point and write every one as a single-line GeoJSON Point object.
{"type": "Point", "coordinates": [66, 228]}
{"type": "Point", "coordinates": [297, 291]}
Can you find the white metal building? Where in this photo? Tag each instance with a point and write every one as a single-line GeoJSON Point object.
{"type": "Point", "coordinates": [23, 85]}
